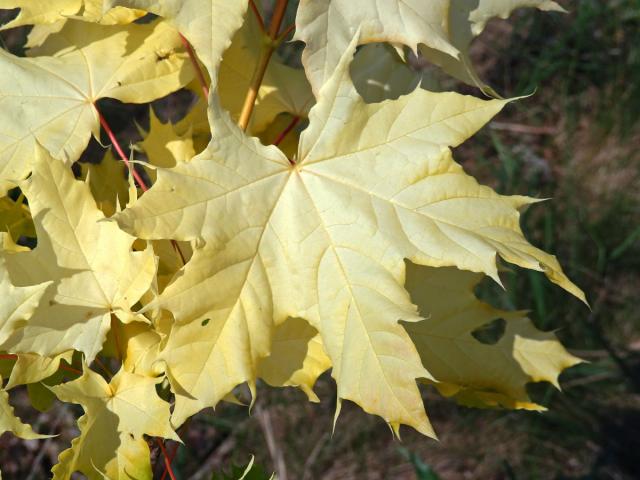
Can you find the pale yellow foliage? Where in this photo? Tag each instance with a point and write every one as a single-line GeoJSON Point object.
{"type": "Point", "coordinates": [478, 374]}
{"type": "Point", "coordinates": [208, 24]}
{"type": "Point", "coordinates": [52, 11]}
{"type": "Point", "coordinates": [163, 146]}
{"type": "Point", "coordinates": [297, 357]}
{"type": "Point", "coordinates": [465, 21]}
{"type": "Point", "coordinates": [108, 183]}
{"type": "Point", "coordinates": [10, 423]}
{"type": "Point", "coordinates": [31, 368]}
{"type": "Point", "coordinates": [54, 95]}
{"type": "Point", "coordinates": [372, 184]}
{"type": "Point", "coordinates": [90, 262]}
{"type": "Point", "coordinates": [327, 27]}
{"type": "Point", "coordinates": [355, 246]}
{"type": "Point", "coordinates": [18, 303]}
{"type": "Point", "coordinates": [15, 218]}
{"type": "Point", "coordinates": [117, 415]}
{"type": "Point", "coordinates": [444, 29]}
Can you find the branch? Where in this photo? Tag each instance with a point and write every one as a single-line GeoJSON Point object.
{"type": "Point", "coordinates": [263, 62]}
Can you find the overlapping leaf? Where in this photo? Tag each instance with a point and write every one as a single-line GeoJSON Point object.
{"type": "Point", "coordinates": [476, 373]}
{"type": "Point", "coordinates": [117, 415]}
{"type": "Point", "coordinates": [297, 357]}
{"type": "Point", "coordinates": [465, 21]}
{"type": "Point", "coordinates": [53, 11]}
{"type": "Point", "coordinates": [18, 303]}
{"type": "Point", "coordinates": [208, 24]}
{"type": "Point", "coordinates": [15, 218]}
{"type": "Point", "coordinates": [371, 185]}
{"type": "Point", "coordinates": [50, 99]}
{"type": "Point", "coordinates": [90, 262]}
{"type": "Point", "coordinates": [444, 27]}
{"type": "Point", "coordinates": [10, 423]}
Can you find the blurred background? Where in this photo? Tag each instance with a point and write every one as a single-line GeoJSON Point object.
{"type": "Point", "coordinates": [576, 141]}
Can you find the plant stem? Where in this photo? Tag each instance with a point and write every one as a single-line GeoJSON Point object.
{"type": "Point", "coordinates": [116, 145]}
{"type": "Point", "coordinates": [172, 455]}
{"type": "Point", "coordinates": [196, 66]}
{"type": "Point", "coordinates": [269, 47]}
{"type": "Point", "coordinates": [286, 131]}
{"type": "Point", "coordinates": [167, 462]}
{"type": "Point", "coordinates": [104, 368]}
{"type": "Point", "coordinates": [131, 168]}
{"type": "Point", "coordinates": [256, 12]}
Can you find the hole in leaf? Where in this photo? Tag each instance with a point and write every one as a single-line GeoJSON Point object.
{"type": "Point", "coordinates": [205, 322]}
{"type": "Point", "coordinates": [490, 333]}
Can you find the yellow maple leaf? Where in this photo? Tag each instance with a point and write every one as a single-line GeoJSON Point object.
{"type": "Point", "coordinates": [52, 11]}
{"type": "Point", "coordinates": [466, 20]}
{"type": "Point", "coordinates": [108, 183]}
{"type": "Point", "coordinates": [117, 415]}
{"type": "Point", "coordinates": [454, 356]}
{"type": "Point", "coordinates": [324, 238]}
{"type": "Point", "coordinates": [444, 29]}
{"type": "Point", "coordinates": [163, 146]}
{"type": "Point", "coordinates": [55, 95]}
{"type": "Point", "coordinates": [18, 303]}
{"type": "Point", "coordinates": [31, 368]}
{"type": "Point", "coordinates": [15, 218]}
{"type": "Point", "coordinates": [297, 357]}
{"type": "Point", "coordinates": [10, 423]}
{"type": "Point", "coordinates": [208, 24]}
{"type": "Point", "coordinates": [90, 262]}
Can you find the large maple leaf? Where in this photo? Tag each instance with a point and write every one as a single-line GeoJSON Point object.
{"type": "Point", "coordinates": [50, 99]}
{"type": "Point", "coordinates": [324, 238]}
{"type": "Point", "coordinates": [91, 266]}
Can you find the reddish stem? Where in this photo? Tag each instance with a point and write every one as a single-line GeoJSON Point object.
{"type": "Point", "coordinates": [61, 366]}
{"type": "Point", "coordinates": [286, 32]}
{"type": "Point", "coordinates": [256, 12]}
{"type": "Point", "coordinates": [287, 130]}
{"type": "Point", "coordinates": [135, 174]}
{"type": "Point", "coordinates": [172, 456]}
{"type": "Point", "coordinates": [196, 66]}
{"type": "Point", "coordinates": [116, 145]}
{"type": "Point", "coordinates": [167, 461]}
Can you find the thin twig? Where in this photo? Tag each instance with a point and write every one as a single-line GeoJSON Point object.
{"type": "Point", "coordinates": [172, 456]}
{"type": "Point", "coordinates": [136, 175]}
{"type": "Point", "coordinates": [116, 145]}
{"type": "Point", "coordinates": [196, 66]}
{"type": "Point", "coordinates": [520, 128]}
{"type": "Point", "coordinates": [167, 461]}
{"type": "Point", "coordinates": [256, 12]}
{"type": "Point", "coordinates": [104, 368]}
{"type": "Point", "coordinates": [263, 63]}
{"type": "Point", "coordinates": [286, 131]}
{"type": "Point", "coordinates": [286, 32]}
{"type": "Point", "coordinates": [277, 457]}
